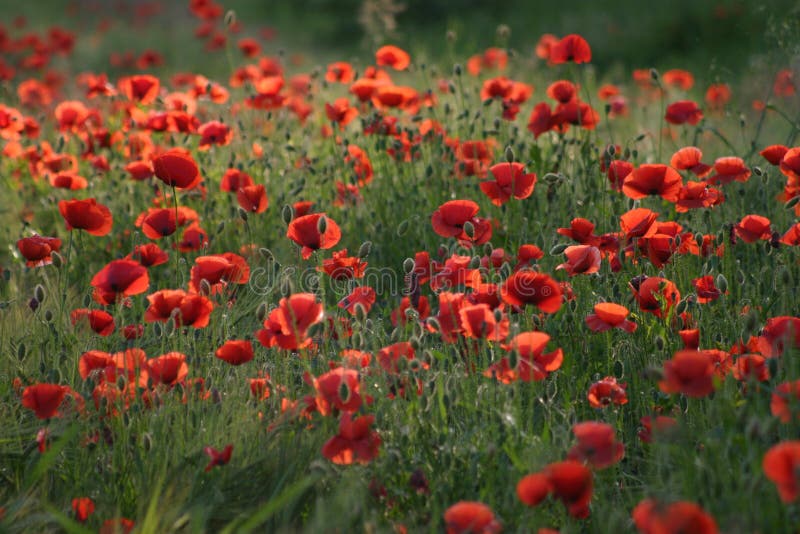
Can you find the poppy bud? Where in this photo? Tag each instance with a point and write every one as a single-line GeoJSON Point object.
{"type": "Point", "coordinates": [457, 69]}
{"type": "Point", "coordinates": [551, 178]}
{"type": "Point", "coordinates": [357, 340]}
{"type": "Point", "coordinates": [498, 315]}
{"type": "Point", "coordinates": [475, 262]}
{"type": "Point", "coordinates": [654, 75]}
{"type": "Point", "coordinates": [433, 324]}
{"type": "Point", "coordinates": [681, 306]}
{"type": "Point", "coordinates": [607, 109]}
{"type": "Point", "coordinates": [322, 225]}
{"type": "Point", "coordinates": [205, 287]}
{"type": "Point", "coordinates": [722, 283]}
{"type": "Point", "coordinates": [757, 170]}
{"type": "Point", "coordinates": [750, 321]}
{"type": "Point", "coordinates": [659, 342]}
{"type": "Point", "coordinates": [451, 36]}
{"type": "Point", "coordinates": [57, 259]}
{"type": "Point", "coordinates": [360, 312]}
{"type": "Point", "coordinates": [242, 214]}
{"type": "Point", "coordinates": [509, 154]}
{"type": "Point", "coordinates": [158, 330]}
{"type": "Point", "coordinates": [221, 226]}
{"type": "Point", "coordinates": [38, 292]}
{"type": "Point", "coordinates": [21, 351]}
{"type": "Point", "coordinates": [469, 229]}
{"type": "Point", "coordinates": [785, 276]}
{"type": "Point", "coordinates": [48, 316]}
{"type": "Point", "coordinates": [287, 213]}
{"type": "Point", "coordinates": [344, 392]}
{"type": "Point", "coordinates": [503, 31]}
{"type": "Point", "coordinates": [411, 314]}
{"type": "Point", "coordinates": [408, 265]}
{"type": "Point", "coordinates": [147, 442]}
{"type": "Point", "coordinates": [364, 249]}
{"type": "Point", "coordinates": [230, 18]}
{"type": "Point", "coordinates": [402, 228]}
{"type": "Point", "coordinates": [122, 381]}
{"type": "Point", "coordinates": [261, 312]}
{"type": "Point", "coordinates": [414, 342]}
{"type": "Point", "coordinates": [169, 326]}
{"type": "Point", "coordinates": [558, 249]}
{"type": "Point", "coordinates": [286, 287]}
{"type": "Point", "coordinates": [790, 204]}
{"type": "Point", "coordinates": [60, 143]}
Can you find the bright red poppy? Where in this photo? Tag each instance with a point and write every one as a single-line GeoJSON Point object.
{"type": "Point", "coordinates": [682, 112]}
{"type": "Point", "coordinates": [235, 351]}
{"type": "Point", "coordinates": [597, 445]}
{"type": "Point", "coordinates": [608, 315]}
{"type": "Point", "coordinates": [313, 232]}
{"type": "Point", "coordinates": [510, 180]}
{"type": "Point", "coordinates": [653, 179]}
{"type": "Point", "coordinates": [781, 465]}
{"type": "Point", "coordinates": [338, 389]}
{"type": "Point", "coordinates": [570, 49]}
{"type": "Point", "coordinates": [581, 259]}
{"type": "Point", "coordinates": [186, 309]}
{"type": "Point", "coordinates": [86, 215]}
{"type": "Point", "coordinates": [753, 228]}
{"type": "Point", "coordinates": [216, 457]}
{"type": "Point", "coordinates": [653, 517]}
{"type": "Point", "coordinates": [606, 392]}
{"type": "Point", "coordinates": [211, 274]}
{"type": "Point", "coordinates": [37, 250]}
{"type": "Point", "coordinates": [570, 482]}
{"type": "Point", "coordinates": [392, 56]}
{"type": "Point", "coordinates": [356, 442]}
{"type": "Point", "coordinates": [287, 325]}
{"type": "Point", "coordinates": [44, 399]}
{"type": "Point", "coordinates": [168, 369]}
{"type": "Point", "coordinates": [689, 372]}
{"type": "Point", "coordinates": [119, 278]}
{"type": "Point", "coordinates": [469, 517]}
{"type": "Point", "coordinates": [99, 321]}
{"type": "Point", "coordinates": [82, 507]}
{"type": "Point", "coordinates": [530, 287]}
{"type": "Point", "coordinates": [654, 294]}
{"type": "Point", "coordinates": [177, 168]}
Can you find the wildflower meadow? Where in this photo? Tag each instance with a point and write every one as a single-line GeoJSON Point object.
{"type": "Point", "coordinates": [415, 285]}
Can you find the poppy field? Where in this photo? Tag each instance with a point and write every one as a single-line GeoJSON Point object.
{"type": "Point", "coordinates": [400, 292]}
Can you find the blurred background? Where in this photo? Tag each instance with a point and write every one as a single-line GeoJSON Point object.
{"type": "Point", "coordinates": [728, 36]}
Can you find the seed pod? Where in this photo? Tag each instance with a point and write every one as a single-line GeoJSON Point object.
{"type": "Point", "coordinates": [287, 213]}
{"type": "Point", "coordinates": [469, 229]}
{"type": "Point", "coordinates": [509, 154]}
{"type": "Point", "coordinates": [364, 249]}
{"type": "Point", "coordinates": [322, 225]}
{"type": "Point", "coordinates": [722, 283]}
{"type": "Point", "coordinates": [39, 293]}
{"type": "Point", "coordinates": [261, 312]}
{"type": "Point", "coordinates": [57, 259]}
{"type": "Point", "coordinates": [558, 249]}
{"type": "Point", "coordinates": [48, 316]}
{"type": "Point", "coordinates": [408, 265]}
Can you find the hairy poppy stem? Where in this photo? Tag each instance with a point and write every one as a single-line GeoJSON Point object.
{"type": "Point", "coordinates": [175, 239]}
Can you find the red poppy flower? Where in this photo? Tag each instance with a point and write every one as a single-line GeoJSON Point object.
{"type": "Point", "coordinates": [235, 351]}
{"type": "Point", "coordinates": [784, 83]}
{"type": "Point", "coordinates": [526, 255]}
{"type": "Point", "coordinates": [639, 222]}
{"type": "Point", "coordinates": [177, 168]}
{"type": "Point", "coordinates": [423, 309]}
{"type": "Point", "coordinates": [37, 250]}
{"type": "Point", "coordinates": [217, 457]}
{"type": "Point", "coordinates": [654, 294]}
{"type": "Point", "coordinates": [653, 179]}
{"type": "Point", "coordinates": [581, 259]}
{"type": "Point", "coordinates": [356, 442]}
{"type": "Point", "coordinates": [728, 170]}
{"type": "Point", "coordinates": [659, 425]}
{"type": "Point", "coordinates": [689, 372]}
{"type": "Point", "coordinates": [234, 179]}
{"type": "Point", "coordinates": [82, 507]}
{"type": "Point", "coordinates": [338, 389]}
{"type": "Point", "coordinates": [718, 95]}
{"type": "Point", "coordinates": [784, 401]}
{"type": "Point", "coordinates": [363, 296]}
{"type": "Point", "coordinates": [510, 180]}
{"type": "Point", "coordinates": [313, 232]}
{"type": "Point", "coordinates": [158, 223]}
{"type": "Point", "coordinates": [688, 158]}
{"type": "Point", "coordinates": [343, 267]}
{"type": "Point", "coordinates": [287, 325]}
{"type": "Point", "coordinates": [679, 78]}
{"type": "Point", "coordinates": [580, 230]}
{"type": "Point", "coordinates": [530, 287]}
{"type": "Point", "coordinates": [608, 315]}
{"type": "Point", "coordinates": [774, 154]}
{"type": "Point", "coordinates": [119, 278]}
{"type": "Point", "coordinates": [690, 338]}
{"type": "Point", "coordinates": [467, 517]}
{"type": "Point", "coordinates": [141, 88]}
{"type": "Point", "coordinates": [572, 48]}
{"type": "Point", "coordinates": [541, 119]}
{"type": "Point", "coordinates": [186, 309]}
{"type": "Point", "coordinates": [392, 56]}
{"type": "Point", "coordinates": [44, 399]}
{"type": "Point", "coordinates": [617, 171]}
{"type": "Point", "coordinates": [479, 322]}
{"type": "Point", "coordinates": [606, 392]}
{"type": "Point", "coordinates": [751, 367]}
{"type": "Point", "coordinates": [695, 195]}
{"type": "Point", "coordinates": [706, 289]}
{"type": "Point", "coordinates": [148, 255]}
{"type": "Point", "coordinates": [448, 317]}
{"type": "Point", "coordinates": [68, 180]}
{"type": "Point", "coordinates": [532, 363]}
{"type": "Point", "coordinates": [86, 215]}
{"type": "Point", "coordinates": [682, 112]}
{"type": "Point", "coordinates": [752, 228]}
{"type": "Point", "coordinates": [341, 112]}
{"type": "Point", "coordinates": [597, 445]}
{"type": "Point", "coordinates": [569, 481]}
{"type": "Point", "coordinates": [652, 517]}
{"type": "Point", "coordinates": [781, 465]}
{"type": "Point", "coordinates": [339, 72]}
{"type": "Point", "coordinates": [217, 271]}
{"type": "Point", "coordinates": [450, 218]}
{"type": "Point", "coordinates": [99, 321]}
{"type": "Point", "coordinates": [168, 369]}
{"type": "Point", "coordinates": [213, 133]}
{"type": "Point", "coordinates": [778, 334]}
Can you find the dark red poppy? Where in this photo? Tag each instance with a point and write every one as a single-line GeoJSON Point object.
{"type": "Point", "coordinates": [44, 399]}
{"type": "Point", "coordinates": [689, 372]}
{"type": "Point", "coordinates": [142, 88]}
{"type": "Point", "coordinates": [751, 367]}
{"type": "Point", "coordinates": [213, 133]}
{"type": "Point", "coordinates": [606, 392]}
{"type": "Point", "coordinates": [235, 351]}
{"type": "Point", "coordinates": [778, 334]}
{"type": "Point", "coordinates": [781, 465]}
{"type": "Point", "coordinates": [341, 112]}
{"type": "Point", "coordinates": [217, 458]}
{"type": "Point", "coordinates": [186, 309]}
{"type": "Point", "coordinates": [37, 250]}
{"type": "Point", "coordinates": [660, 424]}
{"type": "Point", "coordinates": [784, 401]}
{"type": "Point", "coordinates": [530, 287]}
{"type": "Point", "coordinates": [653, 179]}
{"type": "Point", "coordinates": [652, 517]}
{"type": "Point", "coordinates": [617, 171]}
{"type": "Point", "coordinates": [597, 445]}
{"type": "Point", "coordinates": [313, 232]}
{"type": "Point", "coordinates": [119, 278]}
{"type": "Point", "coordinates": [510, 180]}
{"type": "Point", "coordinates": [288, 324]}
{"type": "Point", "coordinates": [570, 49]}
{"type": "Point", "coordinates": [148, 255]}
{"type": "Point", "coordinates": [682, 112]}
{"type": "Point", "coordinates": [469, 517]}
{"type": "Point", "coordinates": [177, 168]}
{"type": "Point", "coordinates": [99, 321]}
{"type": "Point", "coordinates": [168, 369]}
{"type": "Point", "coordinates": [82, 507]}
{"type": "Point", "coordinates": [86, 215]}
{"type": "Point", "coordinates": [356, 442]}
{"type": "Point", "coordinates": [569, 481]}
{"type": "Point", "coordinates": [581, 259]}
{"type": "Point", "coordinates": [234, 179]}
